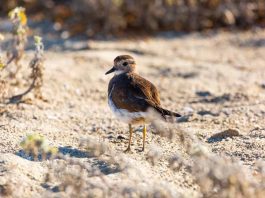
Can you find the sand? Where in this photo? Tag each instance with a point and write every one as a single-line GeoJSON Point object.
{"type": "Point", "coordinates": [216, 80]}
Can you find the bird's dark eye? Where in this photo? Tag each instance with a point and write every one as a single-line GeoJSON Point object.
{"type": "Point", "coordinates": [125, 64]}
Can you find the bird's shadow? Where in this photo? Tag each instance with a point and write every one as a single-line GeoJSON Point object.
{"type": "Point", "coordinates": [253, 42]}
{"type": "Point", "coordinates": [214, 99]}
{"type": "Point", "coordinates": [66, 150]}
{"type": "Point", "coordinates": [73, 152]}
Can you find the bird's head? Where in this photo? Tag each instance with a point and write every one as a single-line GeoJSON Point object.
{"type": "Point", "coordinates": [122, 64]}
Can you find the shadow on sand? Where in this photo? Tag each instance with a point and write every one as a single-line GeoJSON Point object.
{"type": "Point", "coordinates": [102, 165]}
{"type": "Point", "coordinates": [66, 150]}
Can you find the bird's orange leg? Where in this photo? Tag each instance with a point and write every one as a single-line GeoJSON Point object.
{"type": "Point", "coordinates": [130, 139]}
{"type": "Point", "coordinates": [144, 135]}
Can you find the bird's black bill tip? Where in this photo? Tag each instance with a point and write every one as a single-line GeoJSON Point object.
{"type": "Point", "coordinates": [178, 115]}
{"type": "Point", "coordinates": [110, 71]}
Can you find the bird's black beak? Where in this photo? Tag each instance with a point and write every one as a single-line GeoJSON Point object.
{"type": "Point", "coordinates": [110, 71]}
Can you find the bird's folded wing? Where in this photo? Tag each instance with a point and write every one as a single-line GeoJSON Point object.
{"type": "Point", "coordinates": [138, 95]}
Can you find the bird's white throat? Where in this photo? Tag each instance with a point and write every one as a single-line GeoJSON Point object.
{"type": "Point", "coordinates": [118, 72]}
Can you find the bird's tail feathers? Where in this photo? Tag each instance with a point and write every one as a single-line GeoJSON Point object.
{"type": "Point", "coordinates": [170, 113]}
{"type": "Point", "coordinates": [165, 112]}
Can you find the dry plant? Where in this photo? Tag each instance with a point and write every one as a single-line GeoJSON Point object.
{"type": "Point", "coordinates": [37, 67]}
{"type": "Point", "coordinates": [154, 154]}
{"type": "Point", "coordinates": [18, 18]}
{"type": "Point", "coordinates": [36, 145]}
{"type": "Point", "coordinates": [75, 177]}
{"type": "Point", "coordinates": [3, 84]}
{"type": "Point", "coordinates": [93, 146]}
{"type": "Point", "coordinates": [3, 89]}
{"type": "Point", "coordinates": [121, 16]}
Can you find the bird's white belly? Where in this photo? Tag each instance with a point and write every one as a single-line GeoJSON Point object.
{"type": "Point", "coordinates": [123, 114]}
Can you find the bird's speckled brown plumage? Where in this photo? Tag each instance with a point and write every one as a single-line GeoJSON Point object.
{"type": "Point", "coordinates": [133, 93]}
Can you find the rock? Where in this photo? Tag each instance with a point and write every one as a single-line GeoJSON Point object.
{"type": "Point", "coordinates": [203, 93]}
{"type": "Point", "coordinates": [205, 112]}
{"type": "Point", "coordinates": [223, 135]}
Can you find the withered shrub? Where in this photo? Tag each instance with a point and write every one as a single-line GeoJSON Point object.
{"type": "Point", "coordinates": [119, 16]}
{"type": "Point", "coordinates": [10, 65]}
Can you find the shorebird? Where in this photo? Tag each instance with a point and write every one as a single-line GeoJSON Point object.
{"type": "Point", "coordinates": [130, 96]}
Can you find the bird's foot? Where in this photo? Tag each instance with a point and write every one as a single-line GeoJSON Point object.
{"type": "Point", "coordinates": [140, 149]}
{"type": "Point", "coordinates": [128, 150]}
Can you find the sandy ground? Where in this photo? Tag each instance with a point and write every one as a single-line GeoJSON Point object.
{"type": "Point", "coordinates": [218, 79]}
